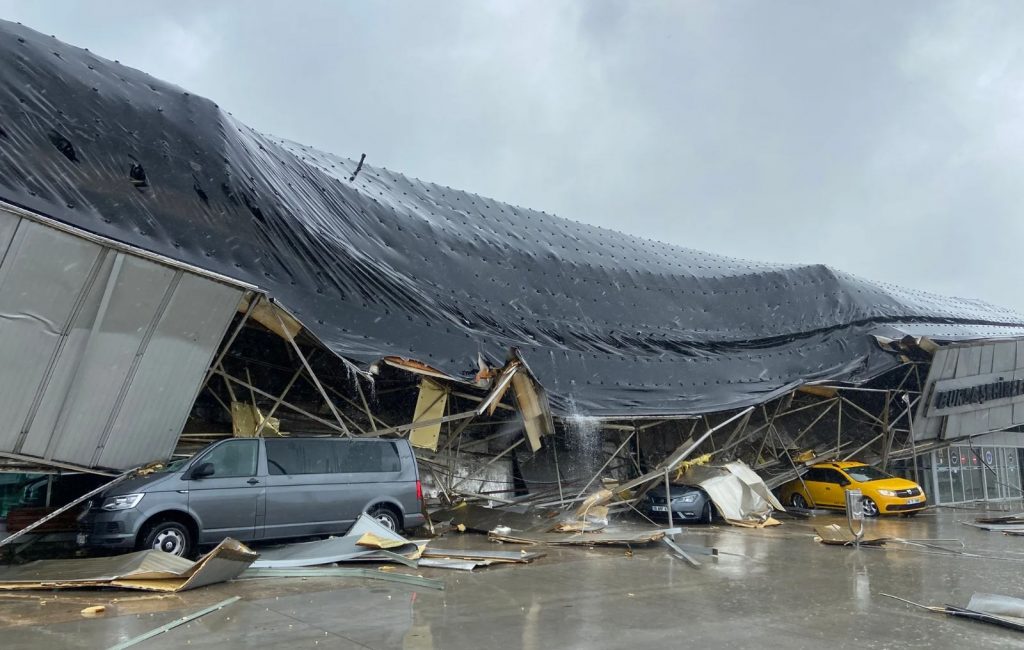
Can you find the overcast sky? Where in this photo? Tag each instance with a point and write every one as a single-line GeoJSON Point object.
{"type": "Point", "coordinates": [885, 139]}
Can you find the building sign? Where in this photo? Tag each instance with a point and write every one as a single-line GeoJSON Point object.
{"type": "Point", "coordinates": [970, 393]}
{"type": "Point", "coordinates": [972, 389]}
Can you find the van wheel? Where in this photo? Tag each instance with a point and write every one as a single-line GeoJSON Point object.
{"type": "Point", "coordinates": [168, 536]}
{"type": "Point", "coordinates": [386, 517]}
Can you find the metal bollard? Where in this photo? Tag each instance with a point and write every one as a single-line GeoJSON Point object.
{"type": "Point", "coordinates": [855, 512]}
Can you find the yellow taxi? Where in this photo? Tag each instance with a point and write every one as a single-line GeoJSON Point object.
{"type": "Point", "coordinates": [824, 486]}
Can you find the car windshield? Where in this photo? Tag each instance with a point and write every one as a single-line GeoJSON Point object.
{"type": "Point", "coordinates": [864, 474]}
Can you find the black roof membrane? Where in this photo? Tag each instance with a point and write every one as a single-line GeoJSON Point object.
{"type": "Point", "coordinates": [385, 264]}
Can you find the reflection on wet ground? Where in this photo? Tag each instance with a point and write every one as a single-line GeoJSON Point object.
{"type": "Point", "coordinates": [769, 588]}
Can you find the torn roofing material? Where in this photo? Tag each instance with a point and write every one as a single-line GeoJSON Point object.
{"type": "Point", "coordinates": [380, 264]}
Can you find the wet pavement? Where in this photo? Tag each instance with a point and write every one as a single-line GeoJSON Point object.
{"type": "Point", "coordinates": [769, 588]}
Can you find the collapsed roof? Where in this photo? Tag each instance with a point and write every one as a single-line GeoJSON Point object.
{"type": "Point", "coordinates": [375, 263]}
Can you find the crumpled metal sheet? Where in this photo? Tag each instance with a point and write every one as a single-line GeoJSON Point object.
{"type": "Point", "coordinates": [385, 264]}
{"type": "Point", "coordinates": [149, 570]}
{"type": "Point", "coordinates": [737, 491]}
{"type": "Point", "coordinates": [340, 549]}
{"type": "Point", "coordinates": [607, 537]}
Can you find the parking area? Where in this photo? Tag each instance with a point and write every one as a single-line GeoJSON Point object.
{"type": "Point", "coordinates": [768, 588]}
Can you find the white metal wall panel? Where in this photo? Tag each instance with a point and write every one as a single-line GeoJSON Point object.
{"type": "Point", "coordinates": [943, 364]}
{"type": "Point", "coordinates": [101, 351]}
{"type": "Point", "coordinates": [118, 334]}
{"type": "Point", "coordinates": [167, 379]}
{"type": "Point", "coordinates": [42, 278]}
{"type": "Point", "coordinates": [1004, 356]}
{"type": "Point", "coordinates": [974, 360]}
{"type": "Point", "coordinates": [41, 422]}
{"type": "Point", "coordinates": [968, 362]}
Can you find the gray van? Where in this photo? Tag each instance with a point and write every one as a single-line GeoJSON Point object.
{"type": "Point", "coordinates": [259, 489]}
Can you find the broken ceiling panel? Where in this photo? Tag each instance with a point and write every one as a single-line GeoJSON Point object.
{"type": "Point", "coordinates": [430, 407]}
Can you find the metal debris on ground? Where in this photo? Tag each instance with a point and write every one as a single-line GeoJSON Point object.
{"type": "Point", "coordinates": [366, 541]}
{"type": "Point", "coordinates": [507, 557]}
{"type": "Point", "coordinates": [590, 516]}
{"type": "Point", "coordinates": [603, 538]}
{"type": "Point", "coordinates": [467, 560]}
{"type": "Point", "coordinates": [837, 536]}
{"type": "Point", "coordinates": [680, 552]}
{"type": "Point", "coordinates": [994, 609]}
{"type": "Point", "coordinates": [150, 570]}
{"type": "Point", "coordinates": [344, 572]}
{"type": "Point", "coordinates": [1004, 519]}
{"type": "Point", "coordinates": [446, 563]}
{"type": "Point", "coordinates": [1010, 524]}
{"type": "Point", "coordinates": [175, 623]}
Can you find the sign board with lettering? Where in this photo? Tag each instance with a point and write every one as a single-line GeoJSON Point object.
{"type": "Point", "coordinates": [971, 389]}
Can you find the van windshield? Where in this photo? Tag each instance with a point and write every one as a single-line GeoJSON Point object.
{"type": "Point", "coordinates": [172, 466]}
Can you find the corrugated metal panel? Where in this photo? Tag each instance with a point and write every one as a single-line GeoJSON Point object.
{"type": "Point", "coordinates": [167, 378]}
{"type": "Point", "coordinates": [42, 278]}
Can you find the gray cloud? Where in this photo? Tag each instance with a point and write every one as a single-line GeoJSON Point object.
{"type": "Point", "coordinates": [885, 140]}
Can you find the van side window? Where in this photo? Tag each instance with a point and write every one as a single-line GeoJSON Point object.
{"type": "Point", "coordinates": [302, 456]}
{"type": "Point", "coordinates": [367, 456]}
{"type": "Point", "coordinates": [326, 456]}
{"type": "Point", "coordinates": [234, 458]}
{"type": "Point", "coordinates": [284, 456]}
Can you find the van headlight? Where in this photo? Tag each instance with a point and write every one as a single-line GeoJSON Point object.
{"type": "Point", "coordinates": [122, 502]}
{"type": "Point", "coordinates": [887, 493]}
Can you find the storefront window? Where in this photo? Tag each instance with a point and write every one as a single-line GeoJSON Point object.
{"type": "Point", "coordinates": [966, 473]}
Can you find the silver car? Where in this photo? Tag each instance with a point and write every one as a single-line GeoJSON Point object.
{"type": "Point", "coordinates": [259, 489]}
